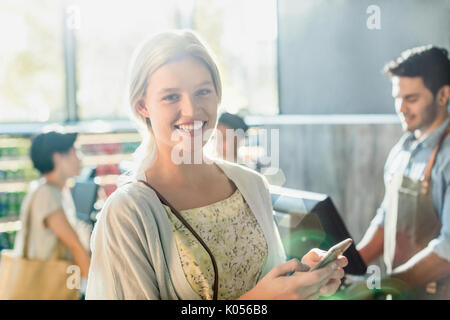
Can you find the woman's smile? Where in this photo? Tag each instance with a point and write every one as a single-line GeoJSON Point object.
{"type": "Point", "coordinates": [191, 128]}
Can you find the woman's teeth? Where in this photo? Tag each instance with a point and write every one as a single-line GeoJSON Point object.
{"type": "Point", "coordinates": [189, 127]}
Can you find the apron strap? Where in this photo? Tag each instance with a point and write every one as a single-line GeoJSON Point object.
{"type": "Point", "coordinates": [427, 176]}
{"type": "Point", "coordinates": [188, 226]}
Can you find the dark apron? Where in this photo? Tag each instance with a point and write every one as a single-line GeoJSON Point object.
{"type": "Point", "coordinates": [411, 223]}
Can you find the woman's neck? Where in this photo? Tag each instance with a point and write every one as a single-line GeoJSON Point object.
{"type": "Point", "coordinates": [55, 179]}
{"type": "Point", "coordinates": [165, 169]}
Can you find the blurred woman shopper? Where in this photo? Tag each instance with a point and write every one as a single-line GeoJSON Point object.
{"type": "Point", "coordinates": [196, 228]}
{"type": "Point", "coordinates": [50, 206]}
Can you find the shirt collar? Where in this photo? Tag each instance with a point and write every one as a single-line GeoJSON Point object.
{"type": "Point", "coordinates": [428, 140]}
{"type": "Point", "coordinates": [431, 139]}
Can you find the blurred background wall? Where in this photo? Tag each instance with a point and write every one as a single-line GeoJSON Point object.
{"type": "Point", "coordinates": [329, 60]}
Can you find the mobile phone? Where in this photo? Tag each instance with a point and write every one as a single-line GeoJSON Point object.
{"type": "Point", "coordinates": [333, 253]}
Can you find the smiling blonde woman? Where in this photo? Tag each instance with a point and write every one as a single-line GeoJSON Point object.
{"type": "Point", "coordinates": [191, 230]}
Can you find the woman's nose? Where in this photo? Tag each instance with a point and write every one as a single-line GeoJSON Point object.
{"type": "Point", "coordinates": [188, 106]}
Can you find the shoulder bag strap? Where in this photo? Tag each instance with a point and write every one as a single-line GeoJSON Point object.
{"type": "Point", "coordinates": [27, 226]}
{"type": "Point", "coordinates": [195, 234]}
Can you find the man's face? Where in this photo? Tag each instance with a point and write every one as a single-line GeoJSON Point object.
{"type": "Point", "coordinates": [228, 148]}
{"type": "Point", "coordinates": [414, 103]}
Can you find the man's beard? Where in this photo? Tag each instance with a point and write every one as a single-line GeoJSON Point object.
{"type": "Point", "coordinates": [428, 116]}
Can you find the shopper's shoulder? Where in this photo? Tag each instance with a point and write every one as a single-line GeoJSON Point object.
{"type": "Point", "coordinates": [44, 191]}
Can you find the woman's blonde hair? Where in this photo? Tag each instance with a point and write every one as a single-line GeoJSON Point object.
{"type": "Point", "coordinates": [148, 57]}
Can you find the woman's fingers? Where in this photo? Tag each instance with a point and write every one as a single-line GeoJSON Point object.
{"type": "Point", "coordinates": [330, 288]}
{"type": "Point", "coordinates": [323, 274]}
{"type": "Point", "coordinates": [313, 257]}
{"type": "Point", "coordinates": [285, 268]}
{"type": "Point", "coordinates": [311, 282]}
{"type": "Point", "coordinates": [326, 290]}
{"type": "Point", "coordinates": [314, 296]}
{"type": "Point", "coordinates": [308, 285]}
{"type": "Point", "coordinates": [342, 261]}
{"type": "Point", "coordinates": [338, 274]}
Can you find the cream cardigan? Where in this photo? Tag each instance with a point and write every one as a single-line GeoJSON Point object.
{"type": "Point", "coordinates": [134, 253]}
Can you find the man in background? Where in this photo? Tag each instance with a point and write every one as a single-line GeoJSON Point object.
{"type": "Point", "coordinates": [412, 225]}
{"type": "Point", "coordinates": [231, 129]}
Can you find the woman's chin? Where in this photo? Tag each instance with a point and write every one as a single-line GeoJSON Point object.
{"type": "Point", "coordinates": [187, 154]}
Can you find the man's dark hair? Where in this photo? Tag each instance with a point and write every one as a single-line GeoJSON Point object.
{"type": "Point", "coordinates": [428, 62]}
{"type": "Point", "coordinates": [44, 145]}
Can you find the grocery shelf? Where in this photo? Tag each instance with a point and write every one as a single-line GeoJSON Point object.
{"type": "Point", "coordinates": [8, 219]}
{"type": "Point", "coordinates": [14, 186]}
{"type": "Point", "coordinates": [14, 162]}
{"type": "Point", "coordinates": [85, 139]}
{"type": "Point", "coordinates": [106, 179]}
{"type": "Point", "coordinates": [105, 146]}
{"type": "Point", "coordinates": [10, 224]}
{"type": "Point", "coordinates": [105, 158]}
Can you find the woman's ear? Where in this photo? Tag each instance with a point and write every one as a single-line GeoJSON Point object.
{"type": "Point", "coordinates": [141, 108]}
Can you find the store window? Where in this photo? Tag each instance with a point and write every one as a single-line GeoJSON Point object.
{"type": "Point", "coordinates": [47, 75]}
{"type": "Point", "coordinates": [31, 61]}
{"type": "Point", "coordinates": [243, 35]}
{"type": "Point", "coordinates": [107, 34]}
{"type": "Point", "coordinates": [244, 43]}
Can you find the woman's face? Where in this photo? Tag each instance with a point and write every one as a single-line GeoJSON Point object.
{"type": "Point", "coordinates": [181, 103]}
{"type": "Point", "coordinates": [68, 163]}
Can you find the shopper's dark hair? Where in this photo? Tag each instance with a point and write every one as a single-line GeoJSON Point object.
{"type": "Point", "coordinates": [428, 62]}
{"type": "Point", "coordinates": [44, 145]}
{"type": "Point", "coordinates": [233, 121]}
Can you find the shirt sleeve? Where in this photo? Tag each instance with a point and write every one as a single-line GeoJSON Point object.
{"type": "Point", "coordinates": [120, 264]}
{"type": "Point", "coordinates": [441, 245]}
{"type": "Point", "coordinates": [46, 201]}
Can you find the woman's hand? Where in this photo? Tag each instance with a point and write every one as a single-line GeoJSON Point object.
{"type": "Point", "coordinates": [313, 257]}
{"type": "Point", "coordinates": [301, 285]}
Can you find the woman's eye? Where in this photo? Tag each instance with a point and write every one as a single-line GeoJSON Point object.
{"type": "Point", "coordinates": [172, 97]}
{"type": "Point", "coordinates": [204, 92]}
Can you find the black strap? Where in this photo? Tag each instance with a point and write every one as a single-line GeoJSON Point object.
{"type": "Point", "coordinates": [188, 226]}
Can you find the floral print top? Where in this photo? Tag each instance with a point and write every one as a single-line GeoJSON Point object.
{"type": "Point", "coordinates": [230, 230]}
